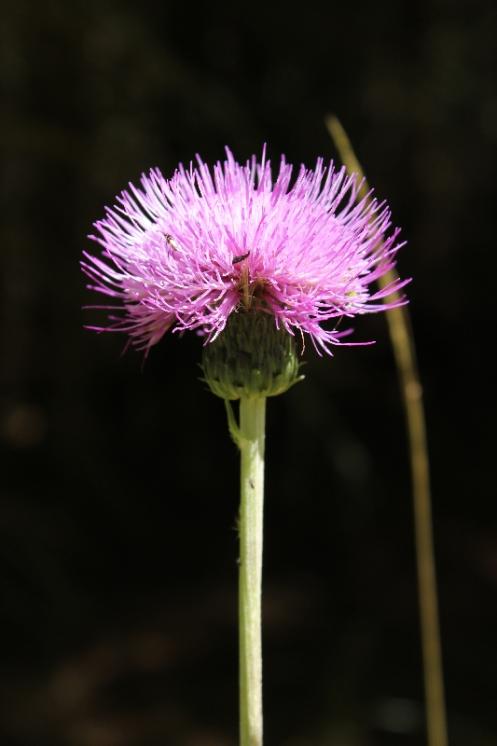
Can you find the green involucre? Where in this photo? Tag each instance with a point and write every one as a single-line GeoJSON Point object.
{"type": "Point", "coordinates": [251, 357]}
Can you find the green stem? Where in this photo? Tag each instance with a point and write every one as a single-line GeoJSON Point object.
{"type": "Point", "coordinates": [252, 428]}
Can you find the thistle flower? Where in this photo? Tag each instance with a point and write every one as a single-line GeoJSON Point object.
{"type": "Point", "coordinates": [187, 253]}
{"type": "Point", "coordinates": [247, 262]}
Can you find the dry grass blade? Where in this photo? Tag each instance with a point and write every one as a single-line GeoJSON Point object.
{"type": "Point", "coordinates": [405, 355]}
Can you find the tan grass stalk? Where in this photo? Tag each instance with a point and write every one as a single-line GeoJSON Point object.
{"type": "Point", "coordinates": [402, 339]}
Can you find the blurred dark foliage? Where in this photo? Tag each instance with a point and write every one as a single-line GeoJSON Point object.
{"type": "Point", "coordinates": [119, 482]}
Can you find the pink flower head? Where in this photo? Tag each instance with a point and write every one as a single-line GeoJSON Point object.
{"type": "Point", "coordinates": [186, 252]}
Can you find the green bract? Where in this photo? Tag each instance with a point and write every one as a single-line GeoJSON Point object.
{"type": "Point", "coordinates": [251, 357]}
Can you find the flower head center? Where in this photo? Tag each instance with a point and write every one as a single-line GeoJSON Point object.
{"type": "Point", "coordinates": [252, 290]}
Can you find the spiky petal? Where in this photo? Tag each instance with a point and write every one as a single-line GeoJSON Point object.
{"type": "Point", "coordinates": [185, 253]}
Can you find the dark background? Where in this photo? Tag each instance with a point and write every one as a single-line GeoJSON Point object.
{"type": "Point", "coordinates": [120, 484]}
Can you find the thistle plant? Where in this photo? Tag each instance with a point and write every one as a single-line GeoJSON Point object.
{"type": "Point", "coordinates": [255, 264]}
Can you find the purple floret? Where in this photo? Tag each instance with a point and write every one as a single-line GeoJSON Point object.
{"type": "Point", "coordinates": [185, 253]}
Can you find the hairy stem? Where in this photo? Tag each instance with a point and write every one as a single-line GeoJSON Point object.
{"type": "Point", "coordinates": [251, 443]}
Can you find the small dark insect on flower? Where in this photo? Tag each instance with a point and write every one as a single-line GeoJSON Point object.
{"type": "Point", "coordinates": [240, 258]}
{"type": "Point", "coordinates": [170, 240]}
